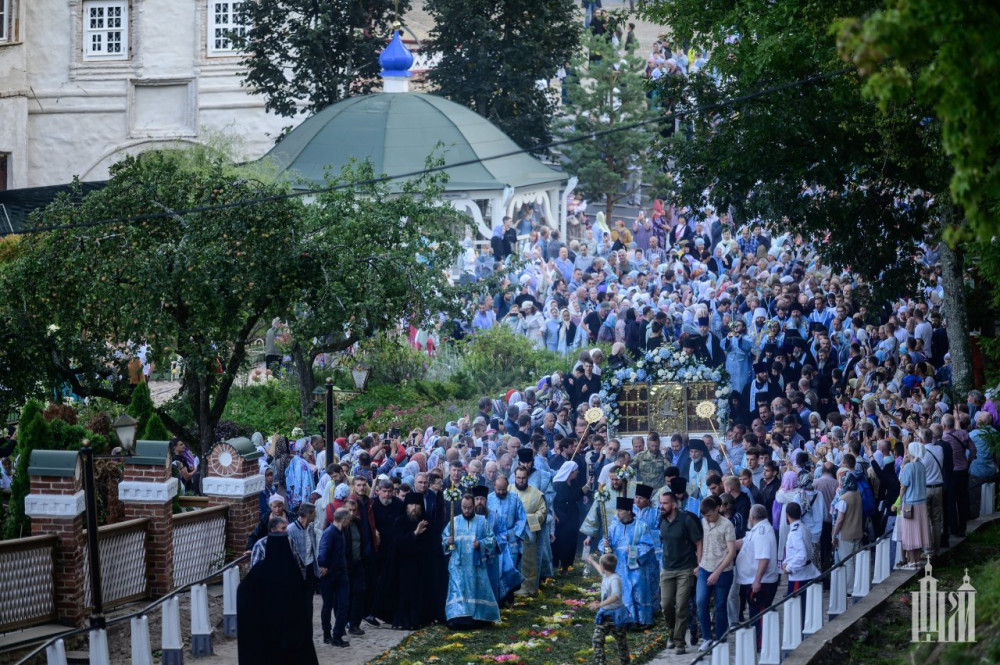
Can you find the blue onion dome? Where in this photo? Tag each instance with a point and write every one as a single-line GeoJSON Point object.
{"type": "Point", "coordinates": [396, 59]}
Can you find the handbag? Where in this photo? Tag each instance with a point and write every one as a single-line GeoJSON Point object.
{"type": "Point", "coordinates": [908, 512]}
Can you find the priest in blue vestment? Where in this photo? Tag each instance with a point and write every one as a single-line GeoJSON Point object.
{"type": "Point", "coordinates": [507, 520]}
{"type": "Point", "coordinates": [633, 544]}
{"type": "Point", "coordinates": [470, 601]}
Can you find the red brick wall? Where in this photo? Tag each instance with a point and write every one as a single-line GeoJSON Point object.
{"type": "Point", "coordinates": [70, 566]}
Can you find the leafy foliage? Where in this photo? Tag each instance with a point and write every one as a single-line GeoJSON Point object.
{"type": "Point", "coordinates": [193, 285]}
{"type": "Point", "coordinates": [32, 433]}
{"type": "Point", "coordinates": [606, 90]}
{"type": "Point", "coordinates": [494, 51]}
{"type": "Point", "coordinates": [391, 359]}
{"type": "Point", "coordinates": [815, 158]}
{"type": "Point", "coordinates": [141, 406]}
{"type": "Point", "coordinates": [269, 407]}
{"type": "Point", "coordinates": [303, 55]}
{"type": "Point", "coordinates": [154, 430]}
{"type": "Point", "coordinates": [943, 56]}
{"type": "Point", "coordinates": [497, 359]}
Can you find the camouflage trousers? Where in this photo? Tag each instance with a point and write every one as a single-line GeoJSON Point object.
{"type": "Point", "coordinates": [601, 631]}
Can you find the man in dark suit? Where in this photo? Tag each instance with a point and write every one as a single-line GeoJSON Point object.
{"type": "Point", "coordinates": [712, 350]}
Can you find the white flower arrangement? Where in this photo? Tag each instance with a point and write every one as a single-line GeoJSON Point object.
{"type": "Point", "coordinates": [665, 365]}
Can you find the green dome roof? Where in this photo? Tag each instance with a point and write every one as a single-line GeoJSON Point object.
{"type": "Point", "coordinates": [398, 131]}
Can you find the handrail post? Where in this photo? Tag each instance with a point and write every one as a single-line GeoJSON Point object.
{"type": "Point", "coordinates": [93, 545]}
{"type": "Point", "coordinates": [142, 651]}
{"type": "Point", "coordinates": [838, 592]}
{"type": "Point", "coordinates": [814, 609]}
{"type": "Point", "coordinates": [172, 644]}
{"type": "Point", "coordinates": [720, 653]}
{"type": "Point", "coordinates": [791, 625]}
{"type": "Point", "coordinates": [201, 627]}
{"type": "Point", "coordinates": [746, 649]}
{"type": "Point", "coordinates": [770, 642]}
{"type": "Point", "coordinates": [55, 654]}
{"type": "Point", "coordinates": [862, 575]}
{"type": "Point", "coordinates": [230, 583]}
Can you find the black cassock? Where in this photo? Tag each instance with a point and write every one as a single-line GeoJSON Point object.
{"type": "Point", "coordinates": [275, 585]}
{"type": "Point", "coordinates": [411, 559]}
{"type": "Point", "coordinates": [385, 592]}
{"type": "Point", "coordinates": [567, 510]}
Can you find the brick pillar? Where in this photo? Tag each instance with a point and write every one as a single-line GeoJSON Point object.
{"type": "Point", "coordinates": [234, 480]}
{"type": "Point", "coordinates": [148, 490]}
{"type": "Point", "coordinates": [56, 506]}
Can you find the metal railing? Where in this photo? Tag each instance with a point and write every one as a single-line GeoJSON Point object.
{"type": "Point", "coordinates": [37, 651]}
{"type": "Point", "coordinates": [27, 580]}
{"type": "Point", "coordinates": [800, 592]}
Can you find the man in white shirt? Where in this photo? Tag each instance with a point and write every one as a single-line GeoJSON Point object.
{"type": "Point", "coordinates": [757, 565]}
{"type": "Point", "coordinates": [798, 563]}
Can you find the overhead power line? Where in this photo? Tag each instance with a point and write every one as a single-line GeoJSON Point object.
{"type": "Point", "coordinates": [671, 117]}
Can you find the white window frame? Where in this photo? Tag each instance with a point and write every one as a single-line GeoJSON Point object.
{"type": "Point", "coordinates": [5, 22]}
{"type": "Point", "coordinates": [221, 18]}
{"type": "Point", "coordinates": [96, 29]}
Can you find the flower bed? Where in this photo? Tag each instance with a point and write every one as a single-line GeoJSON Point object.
{"type": "Point", "coordinates": [554, 628]}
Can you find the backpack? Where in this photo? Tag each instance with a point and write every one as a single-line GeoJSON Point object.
{"type": "Point", "coordinates": [867, 497]}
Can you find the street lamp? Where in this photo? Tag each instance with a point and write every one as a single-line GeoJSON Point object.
{"type": "Point", "coordinates": [328, 429]}
{"type": "Point", "coordinates": [125, 427]}
{"type": "Point", "coordinates": [360, 375]}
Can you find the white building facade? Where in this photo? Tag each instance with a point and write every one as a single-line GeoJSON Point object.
{"type": "Point", "coordinates": [85, 82]}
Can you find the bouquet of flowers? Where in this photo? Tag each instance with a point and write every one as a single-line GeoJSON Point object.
{"type": "Point", "coordinates": [602, 495]}
{"type": "Point", "coordinates": [453, 494]}
{"type": "Point", "coordinates": [625, 473]}
{"type": "Point", "coordinates": [468, 482]}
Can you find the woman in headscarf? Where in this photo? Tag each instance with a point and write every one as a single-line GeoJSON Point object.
{"type": "Point", "coordinates": [785, 495]}
{"type": "Point", "coordinates": [633, 335]}
{"type": "Point", "coordinates": [560, 334]}
{"type": "Point", "coordinates": [813, 510]}
{"type": "Point", "coordinates": [566, 507]}
{"type": "Point", "coordinates": [617, 360]}
{"type": "Point", "coordinates": [912, 518]}
{"type": "Point", "coordinates": [281, 459]}
{"type": "Point", "coordinates": [299, 482]}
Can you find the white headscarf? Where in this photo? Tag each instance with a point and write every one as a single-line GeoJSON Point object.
{"type": "Point", "coordinates": [564, 472]}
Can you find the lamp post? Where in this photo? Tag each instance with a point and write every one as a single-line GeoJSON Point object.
{"type": "Point", "coordinates": [94, 553]}
{"type": "Point", "coordinates": [125, 427]}
{"type": "Point", "coordinates": [329, 417]}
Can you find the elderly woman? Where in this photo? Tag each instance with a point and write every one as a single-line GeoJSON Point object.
{"type": "Point", "coordinates": [914, 531]}
{"type": "Point", "coordinates": [618, 359]}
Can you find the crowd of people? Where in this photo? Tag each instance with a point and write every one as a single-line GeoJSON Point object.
{"type": "Point", "coordinates": [841, 428]}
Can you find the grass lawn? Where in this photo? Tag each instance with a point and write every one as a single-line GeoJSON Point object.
{"type": "Point", "coordinates": [884, 639]}
{"type": "Point", "coordinates": [554, 628]}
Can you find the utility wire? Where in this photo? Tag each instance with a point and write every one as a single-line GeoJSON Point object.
{"type": "Point", "coordinates": [670, 116]}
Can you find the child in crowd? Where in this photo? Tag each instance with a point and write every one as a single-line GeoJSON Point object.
{"type": "Point", "coordinates": [612, 615]}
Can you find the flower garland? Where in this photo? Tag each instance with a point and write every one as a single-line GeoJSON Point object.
{"type": "Point", "coordinates": [663, 365]}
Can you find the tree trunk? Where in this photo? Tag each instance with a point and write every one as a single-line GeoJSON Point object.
{"type": "Point", "coordinates": [952, 272]}
{"type": "Point", "coordinates": [205, 427]}
{"type": "Point", "coordinates": [306, 383]}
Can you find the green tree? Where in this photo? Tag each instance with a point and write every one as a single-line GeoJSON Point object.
{"type": "Point", "coordinates": [196, 285]}
{"type": "Point", "coordinates": [141, 405]}
{"type": "Point", "coordinates": [817, 159]}
{"type": "Point", "coordinates": [32, 433]}
{"type": "Point", "coordinates": [304, 55]}
{"type": "Point", "coordinates": [376, 255]}
{"type": "Point", "coordinates": [606, 90]}
{"type": "Point", "coordinates": [943, 55]}
{"type": "Point", "coordinates": [154, 430]}
{"type": "Point", "coordinates": [494, 53]}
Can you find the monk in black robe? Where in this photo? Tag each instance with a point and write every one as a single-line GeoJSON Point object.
{"type": "Point", "coordinates": [275, 582]}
